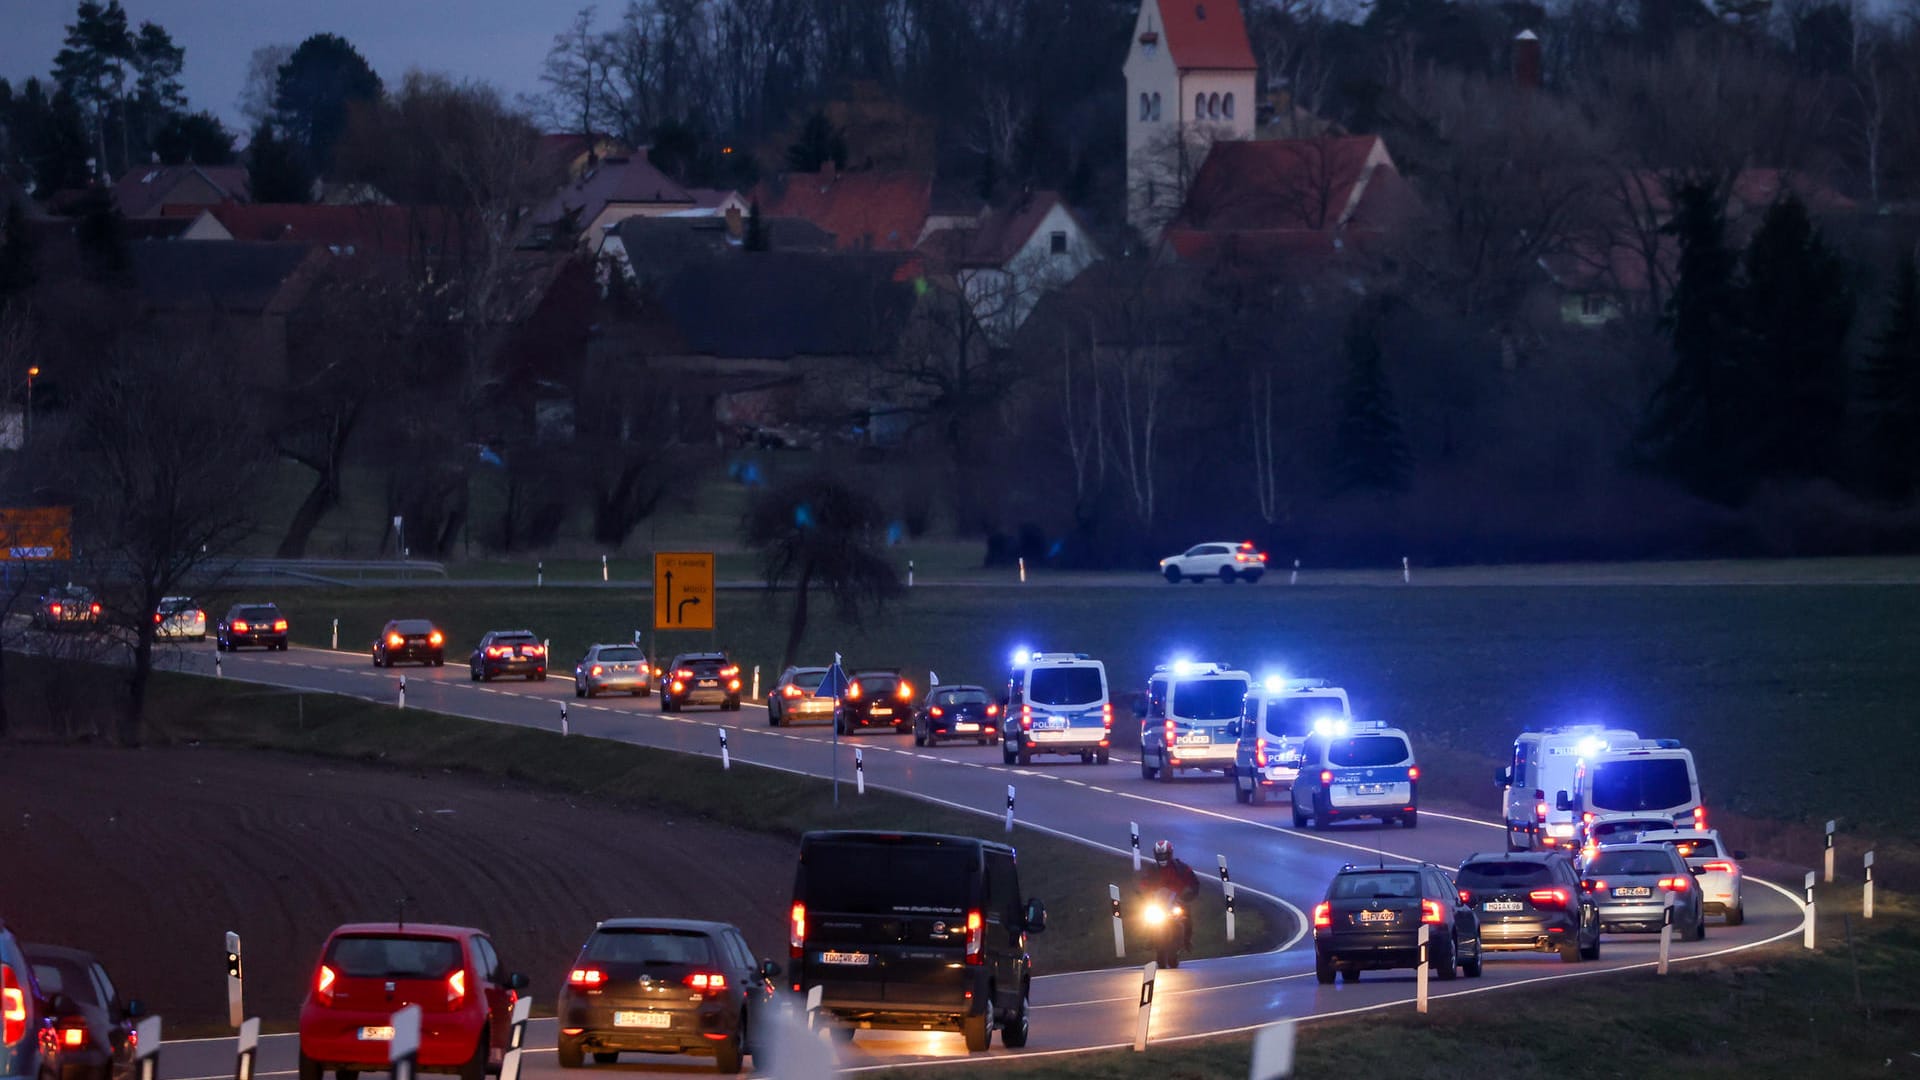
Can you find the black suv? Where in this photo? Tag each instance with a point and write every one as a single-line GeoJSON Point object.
{"type": "Point", "coordinates": [1372, 915]}
{"type": "Point", "coordinates": [252, 624]}
{"type": "Point", "coordinates": [1530, 901]}
{"type": "Point", "coordinates": [915, 932]}
{"type": "Point", "coordinates": [700, 678]}
{"type": "Point", "coordinates": [508, 652]}
{"type": "Point", "coordinates": [876, 697]}
{"type": "Point", "coordinates": [91, 1027]}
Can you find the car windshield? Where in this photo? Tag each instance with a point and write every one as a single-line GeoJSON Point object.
{"type": "Point", "coordinates": [1377, 885]}
{"type": "Point", "coordinates": [515, 639]}
{"type": "Point", "coordinates": [1208, 699]}
{"type": "Point", "coordinates": [1503, 875]}
{"type": "Point", "coordinates": [1293, 717]}
{"type": "Point", "coordinates": [1066, 686]}
{"type": "Point", "coordinates": [259, 614]}
{"type": "Point", "coordinates": [176, 605]}
{"type": "Point", "coordinates": [961, 697]}
{"type": "Point", "coordinates": [1618, 862]}
{"type": "Point", "coordinates": [413, 626]}
{"type": "Point", "coordinates": [620, 654]}
{"type": "Point", "coordinates": [649, 946]}
{"type": "Point", "coordinates": [393, 956]}
{"type": "Point", "coordinates": [887, 879]}
{"type": "Point", "coordinates": [1619, 831]}
{"type": "Point", "coordinates": [1690, 848]}
{"type": "Point", "coordinates": [1641, 784]}
{"type": "Point", "coordinates": [59, 975]}
{"type": "Point", "coordinates": [703, 663]}
{"type": "Point", "coordinates": [1368, 750]}
{"type": "Point", "coordinates": [879, 682]}
{"type": "Point", "coordinates": [807, 678]}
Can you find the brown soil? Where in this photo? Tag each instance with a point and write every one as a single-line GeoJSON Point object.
{"type": "Point", "coordinates": [148, 857]}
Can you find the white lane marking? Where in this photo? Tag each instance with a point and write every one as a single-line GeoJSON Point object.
{"type": "Point", "coordinates": [1076, 783]}
{"type": "Point", "coordinates": [1135, 997]}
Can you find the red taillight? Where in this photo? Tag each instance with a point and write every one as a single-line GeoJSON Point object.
{"type": "Point", "coordinates": [395, 641]}
{"type": "Point", "coordinates": [729, 671]}
{"type": "Point", "coordinates": [1699, 817]}
{"type": "Point", "coordinates": [904, 691]}
{"type": "Point", "coordinates": [1322, 914]}
{"type": "Point", "coordinates": [536, 650]}
{"type": "Point", "coordinates": [1260, 753]}
{"type": "Point", "coordinates": [1549, 897]}
{"type": "Point", "coordinates": [239, 626]}
{"type": "Point", "coordinates": [279, 624]}
{"type": "Point", "coordinates": [95, 609]}
{"type": "Point", "coordinates": [1413, 772]}
{"type": "Point", "coordinates": [13, 1007]}
{"type": "Point", "coordinates": [435, 638]}
{"type": "Point", "coordinates": [456, 989]}
{"type": "Point", "coordinates": [1718, 867]}
{"type": "Point", "coordinates": [1326, 776]}
{"type": "Point", "coordinates": [733, 684]}
{"type": "Point", "coordinates": [53, 609]}
{"type": "Point", "coordinates": [595, 671]}
{"type": "Point", "coordinates": [1675, 884]}
{"type": "Point", "coordinates": [853, 690]}
{"type": "Point", "coordinates": [683, 673]}
{"type": "Point", "coordinates": [499, 650]}
{"type": "Point", "coordinates": [976, 935]}
{"type": "Point", "coordinates": [158, 618]}
{"type": "Point", "coordinates": [936, 711]}
{"type": "Point", "coordinates": [1026, 718]}
{"type": "Point", "coordinates": [1466, 896]}
{"type": "Point", "coordinates": [1167, 735]}
{"type": "Point", "coordinates": [1430, 912]}
{"type": "Point", "coordinates": [797, 927]}
{"type": "Point", "coordinates": [707, 982]}
{"type": "Point", "coordinates": [1540, 811]}
{"type": "Point", "coordinates": [73, 1034]}
{"type": "Point", "coordinates": [323, 985]}
{"type": "Point", "coordinates": [791, 691]}
{"type": "Point", "coordinates": [1106, 715]}
{"type": "Point", "coordinates": [588, 977]}
{"type": "Point", "coordinates": [993, 710]}
{"type": "Point", "coordinates": [678, 686]}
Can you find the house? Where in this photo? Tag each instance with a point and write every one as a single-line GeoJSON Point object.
{"type": "Point", "coordinates": [1006, 259]}
{"type": "Point", "coordinates": [649, 250]}
{"type": "Point", "coordinates": [1190, 78]}
{"type": "Point", "coordinates": [342, 230]}
{"type": "Point", "coordinates": [569, 154]}
{"type": "Point", "coordinates": [244, 291]}
{"type": "Point", "coordinates": [865, 211]}
{"type": "Point", "coordinates": [715, 202]}
{"type": "Point", "coordinates": [604, 195]}
{"type": "Point", "coordinates": [151, 191]}
{"type": "Point", "coordinates": [346, 193]}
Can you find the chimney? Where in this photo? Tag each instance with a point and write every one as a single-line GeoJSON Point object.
{"type": "Point", "coordinates": [1526, 60]}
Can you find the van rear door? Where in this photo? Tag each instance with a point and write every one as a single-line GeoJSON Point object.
{"type": "Point", "coordinates": [887, 919]}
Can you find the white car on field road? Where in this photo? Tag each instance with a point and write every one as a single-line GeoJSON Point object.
{"type": "Point", "coordinates": [1220, 559]}
{"type": "Point", "coordinates": [1716, 868]}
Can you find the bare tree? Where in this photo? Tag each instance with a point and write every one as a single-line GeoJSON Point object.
{"type": "Point", "coordinates": [575, 73]}
{"type": "Point", "coordinates": [1163, 173]}
{"type": "Point", "coordinates": [263, 81]}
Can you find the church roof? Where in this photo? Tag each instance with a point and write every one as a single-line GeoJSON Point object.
{"type": "Point", "coordinates": [1206, 34]}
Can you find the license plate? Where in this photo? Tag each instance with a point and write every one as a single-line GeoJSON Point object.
{"type": "Point", "coordinates": [1277, 774]}
{"type": "Point", "coordinates": [1369, 789]}
{"type": "Point", "coordinates": [643, 1019]}
{"type": "Point", "coordinates": [1378, 916]}
{"type": "Point", "coordinates": [853, 959]}
{"type": "Point", "coordinates": [882, 710]}
{"type": "Point", "coordinates": [966, 727]}
{"type": "Point", "coordinates": [1501, 905]}
{"type": "Point", "coordinates": [1190, 740]}
{"type": "Point", "coordinates": [709, 682]}
{"type": "Point", "coordinates": [376, 1034]}
{"type": "Point", "coordinates": [1633, 890]}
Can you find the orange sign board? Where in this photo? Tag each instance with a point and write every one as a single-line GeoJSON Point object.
{"type": "Point", "coordinates": [683, 590]}
{"type": "Point", "coordinates": [37, 533]}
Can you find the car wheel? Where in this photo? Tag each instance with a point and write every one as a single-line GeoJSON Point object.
{"type": "Point", "coordinates": [773, 717]}
{"type": "Point", "coordinates": [1321, 812]}
{"type": "Point", "coordinates": [1227, 576]}
{"type": "Point", "coordinates": [728, 1056]}
{"type": "Point", "coordinates": [1444, 966]}
{"type": "Point", "coordinates": [346, 1074]}
{"type": "Point", "coordinates": [1299, 819]}
{"type": "Point", "coordinates": [1240, 794]}
{"type": "Point", "coordinates": [309, 1068]}
{"type": "Point", "coordinates": [1007, 754]}
{"type": "Point", "coordinates": [1700, 927]}
{"type": "Point", "coordinates": [1086, 757]}
{"type": "Point", "coordinates": [473, 673]}
{"type": "Point", "coordinates": [1013, 1029]}
{"type": "Point", "coordinates": [570, 1055]}
{"type": "Point", "coordinates": [1410, 819]}
{"type": "Point", "coordinates": [579, 690]}
{"type": "Point", "coordinates": [1323, 969]}
{"type": "Point", "coordinates": [1251, 577]}
{"type": "Point", "coordinates": [919, 737]}
{"type": "Point", "coordinates": [475, 1067]}
{"type": "Point", "coordinates": [1351, 975]}
{"type": "Point", "coordinates": [1591, 952]}
{"type": "Point", "coordinates": [1257, 795]}
{"type": "Point", "coordinates": [1101, 757]}
{"type": "Point", "coordinates": [1026, 756]}
{"type": "Point", "coordinates": [1147, 772]}
{"type": "Point", "coordinates": [539, 676]}
{"type": "Point", "coordinates": [606, 1057]}
{"type": "Point", "coordinates": [1571, 952]}
{"type": "Point", "coordinates": [1737, 915]}
{"type": "Point", "coordinates": [439, 661]}
{"type": "Point", "coordinates": [1173, 575]}
{"type": "Point", "coordinates": [977, 1032]}
{"type": "Point", "coordinates": [1475, 967]}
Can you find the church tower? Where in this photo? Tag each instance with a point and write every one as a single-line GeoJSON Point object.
{"type": "Point", "coordinates": [1190, 82]}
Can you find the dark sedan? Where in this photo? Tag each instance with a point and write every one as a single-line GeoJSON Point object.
{"type": "Point", "coordinates": [90, 1029]}
{"type": "Point", "coordinates": [956, 712]}
{"type": "Point", "coordinates": [876, 697]}
{"type": "Point", "coordinates": [258, 625]}
{"type": "Point", "coordinates": [67, 607]}
{"type": "Point", "coordinates": [413, 641]}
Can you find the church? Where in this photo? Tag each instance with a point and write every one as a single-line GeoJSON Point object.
{"type": "Point", "coordinates": [1190, 82]}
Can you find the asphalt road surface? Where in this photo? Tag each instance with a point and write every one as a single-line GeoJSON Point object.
{"type": "Point", "coordinates": [1073, 1011]}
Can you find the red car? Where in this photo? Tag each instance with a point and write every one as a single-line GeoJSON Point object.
{"type": "Point", "coordinates": [369, 971]}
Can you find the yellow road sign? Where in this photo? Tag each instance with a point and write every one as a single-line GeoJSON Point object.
{"type": "Point", "coordinates": [683, 590]}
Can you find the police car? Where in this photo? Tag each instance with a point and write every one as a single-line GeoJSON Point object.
{"type": "Point", "coordinates": [1278, 716]}
{"type": "Point", "coordinates": [1354, 769]}
{"type": "Point", "coordinates": [1192, 718]}
{"type": "Point", "coordinates": [1056, 704]}
{"type": "Point", "coordinates": [1546, 762]}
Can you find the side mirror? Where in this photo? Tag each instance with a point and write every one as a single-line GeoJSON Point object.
{"type": "Point", "coordinates": [135, 1009]}
{"type": "Point", "coordinates": [1740, 856]}
{"type": "Point", "coordinates": [1503, 777]}
{"type": "Point", "coordinates": [517, 981]}
{"type": "Point", "coordinates": [1036, 919]}
{"type": "Point", "coordinates": [1561, 802]}
{"type": "Point", "coordinates": [769, 970]}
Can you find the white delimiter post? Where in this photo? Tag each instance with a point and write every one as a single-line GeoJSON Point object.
{"type": "Point", "coordinates": [248, 1048]}
{"type": "Point", "coordinates": [236, 975]}
{"type": "Point", "coordinates": [563, 719]}
{"type": "Point", "coordinates": [1829, 854]}
{"type": "Point", "coordinates": [403, 1052]}
{"type": "Point", "coordinates": [146, 1037]}
{"type": "Point", "coordinates": [726, 759]}
{"type": "Point", "coordinates": [1144, 1018]}
{"type": "Point", "coordinates": [1273, 1053]}
{"type": "Point", "coordinates": [1866, 890]}
{"type": "Point", "coordinates": [1009, 807]}
{"type": "Point", "coordinates": [859, 771]}
{"type": "Point", "coordinates": [1807, 940]}
{"type": "Point", "coordinates": [1420, 973]}
{"type": "Point", "coordinates": [403, 692]}
{"type": "Point", "coordinates": [1119, 927]}
{"type": "Point", "coordinates": [1133, 834]}
{"type": "Point", "coordinates": [1666, 931]}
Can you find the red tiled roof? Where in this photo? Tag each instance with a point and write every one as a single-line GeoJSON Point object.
{"type": "Point", "coordinates": [875, 211]}
{"type": "Point", "coordinates": [144, 191]}
{"type": "Point", "coordinates": [369, 229]}
{"type": "Point", "coordinates": [1206, 34]}
{"type": "Point", "coordinates": [999, 236]}
{"type": "Point", "coordinates": [1283, 183]}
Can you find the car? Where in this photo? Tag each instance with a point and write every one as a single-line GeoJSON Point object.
{"type": "Point", "coordinates": [1530, 901]}
{"type": "Point", "coordinates": [1714, 866]}
{"type": "Point", "coordinates": [369, 971]}
{"type": "Point", "coordinates": [178, 618]}
{"type": "Point", "coordinates": [1057, 703]}
{"type": "Point", "coordinates": [795, 698]}
{"type": "Point", "coordinates": [1220, 560]}
{"type": "Point", "coordinates": [876, 697]}
{"type": "Point", "coordinates": [508, 652]}
{"type": "Point", "coordinates": [411, 640]}
{"type": "Point", "coordinates": [1192, 719]}
{"type": "Point", "coordinates": [956, 712]}
{"type": "Point", "coordinates": [1544, 762]}
{"type": "Point", "coordinates": [665, 986]}
{"type": "Point", "coordinates": [1355, 769]}
{"type": "Point", "coordinates": [23, 1015]}
{"type": "Point", "coordinates": [1371, 916]}
{"type": "Point", "coordinates": [914, 932]}
{"type": "Point", "coordinates": [700, 678]}
{"type": "Point", "coordinates": [612, 667]}
{"type": "Point", "coordinates": [252, 624]}
{"type": "Point", "coordinates": [90, 1033]}
{"type": "Point", "coordinates": [1631, 884]}
{"type": "Point", "coordinates": [67, 607]}
{"type": "Point", "coordinates": [1278, 717]}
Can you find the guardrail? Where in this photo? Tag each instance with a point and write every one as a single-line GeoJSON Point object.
{"type": "Point", "coordinates": [332, 571]}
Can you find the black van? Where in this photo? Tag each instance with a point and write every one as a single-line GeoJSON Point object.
{"type": "Point", "coordinates": [914, 931]}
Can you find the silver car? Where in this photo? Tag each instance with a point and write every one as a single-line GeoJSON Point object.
{"type": "Point", "coordinates": [1631, 884]}
{"type": "Point", "coordinates": [616, 668]}
{"type": "Point", "coordinates": [1716, 868]}
{"type": "Point", "coordinates": [793, 699]}
{"type": "Point", "coordinates": [178, 619]}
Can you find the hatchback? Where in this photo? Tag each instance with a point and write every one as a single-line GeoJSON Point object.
{"type": "Point", "coordinates": [1530, 901]}
{"type": "Point", "coordinates": [508, 652]}
{"type": "Point", "coordinates": [90, 1034]}
{"type": "Point", "coordinates": [410, 640]}
{"type": "Point", "coordinates": [1631, 885]}
{"type": "Point", "coordinates": [956, 712]}
{"type": "Point", "coordinates": [1371, 919]}
{"type": "Point", "coordinates": [796, 698]}
{"type": "Point", "coordinates": [612, 668]}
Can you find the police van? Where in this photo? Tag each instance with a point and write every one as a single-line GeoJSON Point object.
{"type": "Point", "coordinates": [1191, 719]}
{"type": "Point", "coordinates": [1546, 762]}
{"type": "Point", "coordinates": [1641, 778]}
{"type": "Point", "coordinates": [1274, 725]}
{"type": "Point", "coordinates": [1057, 704]}
{"type": "Point", "coordinates": [1354, 769]}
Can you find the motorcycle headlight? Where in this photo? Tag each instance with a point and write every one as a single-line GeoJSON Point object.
{"type": "Point", "coordinates": [1155, 914]}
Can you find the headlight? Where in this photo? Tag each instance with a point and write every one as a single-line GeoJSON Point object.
{"type": "Point", "coordinates": [1155, 915]}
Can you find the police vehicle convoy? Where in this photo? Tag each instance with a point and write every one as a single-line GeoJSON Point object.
{"type": "Point", "coordinates": [1057, 703]}
{"type": "Point", "coordinates": [1192, 719]}
{"type": "Point", "coordinates": [1652, 779]}
{"type": "Point", "coordinates": [1357, 769]}
{"type": "Point", "coordinates": [1278, 715]}
{"type": "Point", "coordinates": [1545, 762]}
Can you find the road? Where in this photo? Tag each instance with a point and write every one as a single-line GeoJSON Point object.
{"type": "Point", "coordinates": [1074, 1011]}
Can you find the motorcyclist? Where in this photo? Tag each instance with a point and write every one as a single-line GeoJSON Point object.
{"type": "Point", "coordinates": [1174, 876]}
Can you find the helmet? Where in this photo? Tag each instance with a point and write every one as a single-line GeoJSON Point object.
{"type": "Point", "coordinates": [1163, 853]}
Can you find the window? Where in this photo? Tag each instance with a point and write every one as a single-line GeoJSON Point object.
{"type": "Point", "coordinates": [1199, 106]}
{"type": "Point", "coordinates": [1156, 699]}
{"type": "Point", "coordinates": [888, 879]}
{"type": "Point", "coordinates": [620, 654]}
{"type": "Point", "coordinates": [1057, 243]}
{"type": "Point", "coordinates": [1146, 109]}
{"type": "Point", "coordinates": [1505, 875]}
{"type": "Point", "coordinates": [393, 957]}
{"type": "Point", "coordinates": [1641, 784]}
{"type": "Point", "coordinates": [1367, 751]}
{"type": "Point", "coordinates": [1519, 778]}
{"type": "Point", "coordinates": [1226, 105]}
{"type": "Point", "coordinates": [1293, 717]}
{"type": "Point", "coordinates": [1209, 699]}
{"type": "Point", "coordinates": [1610, 863]}
{"type": "Point", "coordinates": [1377, 885]}
{"type": "Point", "coordinates": [1066, 686]}
{"type": "Point", "coordinates": [1156, 106]}
{"type": "Point", "coordinates": [1003, 890]}
{"type": "Point", "coordinates": [1213, 106]}
{"type": "Point", "coordinates": [489, 960]}
{"type": "Point", "coordinates": [658, 947]}
{"type": "Point", "coordinates": [1593, 305]}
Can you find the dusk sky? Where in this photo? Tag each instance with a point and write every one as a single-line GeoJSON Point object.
{"type": "Point", "coordinates": [501, 41]}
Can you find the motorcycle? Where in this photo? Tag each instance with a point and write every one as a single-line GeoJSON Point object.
{"type": "Point", "coordinates": [1166, 919]}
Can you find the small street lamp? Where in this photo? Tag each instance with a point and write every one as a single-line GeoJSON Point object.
{"type": "Point", "coordinates": [31, 373]}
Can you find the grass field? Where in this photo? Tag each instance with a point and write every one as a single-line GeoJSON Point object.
{"type": "Point", "coordinates": [1069, 876]}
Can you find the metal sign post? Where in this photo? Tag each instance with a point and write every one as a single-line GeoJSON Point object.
{"type": "Point", "coordinates": [1273, 1052]}
{"type": "Point", "coordinates": [1666, 932]}
{"type": "Point", "coordinates": [403, 1053]}
{"type": "Point", "coordinates": [834, 685]}
{"type": "Point", "coordinates": [235, 1011]}
{"type": "Point", "coordinates": [1829, 867]}
{"type": "Point", "coordinates": [248, 1048]}
{"type": "Point", "coordinates": [1226, 886]}
{"type": "Point", "coordinates": [1866, 893]}
{"type": "Point", "coordinates": [1144, 1018]}
{"type": "Point", "coordinates": [1119, 927]}
{"type": "Point", "coordinates": [1133, 835]}
{"type": "Point", "coordinates": [859, 771]}
{"type": "Point", "coordinates": [1420, 973]}
{"type": "Point", "coordinates": [146, 1049]}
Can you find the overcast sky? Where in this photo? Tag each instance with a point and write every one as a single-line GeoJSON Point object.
{"type": "Point", "coordinates": [500, 41]}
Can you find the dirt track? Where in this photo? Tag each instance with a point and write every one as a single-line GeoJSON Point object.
{"type": "Point", "coordinates": [148, 857]}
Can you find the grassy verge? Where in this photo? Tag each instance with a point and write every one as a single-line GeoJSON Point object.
{"type": "Point", "coordinates": [1784, 1013]}
{"type": "Point", "coordinates": [1071, 878]}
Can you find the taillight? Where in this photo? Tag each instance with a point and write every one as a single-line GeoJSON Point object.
{"type": "Point", "coordinates": [993, 710]}
{"type": "Point", "coordinates": [435, 638]}
{"type": "Point", "coordinates": [1587, 817]}
{"type": "Point", "coordinates": [1322, 914]}
{"type": "Point", "coordinates": [1699, 817]}
{"type": "Point", "coordinates": [853, 690]}
{"type": "Point", "coordinates": [1430, 912]}
{"type": "Point", "coordinates": [797, 927]}
{"type": "Point", "coordinates": [588, 977]}
{"type": "Point", "coordinates": [904, 691]}
{"type": "Point", "coordinates": [323, 985]}
{"type": "Point", "coordinates": [733, 684]}
{"type": "Point", "coordinates": [791, 691]}
{"type": "Point", "coordinates": [976, 934]}
{"type": "Point", "coordinates": [1026, 718]}
{"type": "Point", "coordinates": [499, 650]}
{"type": "Point", "coordinates": [1260, 753]}
{"type": "Point", "coordinates": [1596, 885]}
{"type": "Point", "coordinates": [683, 673]}
{"type": "Point", "coordinates": [239, 626]}
{"type": "Point", "coordinates": [158, 618]}
{"type": "Point", "coordinates": [53, 609]}
{"type": "Point", "coordinates": [1413, 772]}
{"type": "Point", "coordinates": [1717, 867]}
{"type": "Point", "coordinates": [594, 671]}
{"type": "Point", "coordinates": [95, 609]}
{"type": "Point", "coordinates": [394, 641]}
{"type": "Point", "coordinates": [1106, 715]}
{"type": "Point", "coordinates": [706, 982]}
{"type": "Point", "coordinates": [1326, 777]}
{"type": "Point", "coordinates": [456, 989]}
{"type": "Point", "coordinates": [1675, 884]}
{"type": "Point", "coordinates": [1466, 896]}
{"type": "Point", "coordinates": [278, 624]}
{"type": "Point", "coordinates": [678, 686]}
{"type": "Point", "coordinates": [729, 672]}
{"type": "Point", "coordinates": [13, 1007]}
{"type": "Point", "coordinates": [73, 1034]}
{"type": "Point", "coordinates": [1167, 734]}
{"type": "Point", "coordinates": [1549, 897]}
{"type": "Point", "coordinates": [936, 711]}
{"type": "Point", "coordinates": [1540, 810]}
{"type": "Point", "coordinates": [536, 650]}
